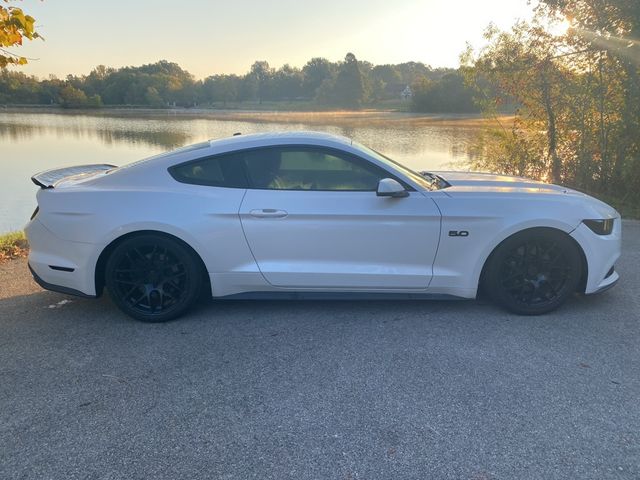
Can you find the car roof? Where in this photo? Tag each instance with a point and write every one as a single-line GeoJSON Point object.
{"type": "Point", "coordinates": [236, 142]}
{"type": "Point", "coordinates": [239, 141]}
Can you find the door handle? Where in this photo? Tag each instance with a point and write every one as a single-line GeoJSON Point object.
{"type": "Point", "coordinates": [268, 213]}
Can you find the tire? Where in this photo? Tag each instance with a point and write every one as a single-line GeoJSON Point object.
{"type": "Point", "coordinates": [534, 271]}
{"type": "Point", "coordinates": [153, 278]}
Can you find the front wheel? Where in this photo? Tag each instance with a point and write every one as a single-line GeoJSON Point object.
{"type": "Point", "coordinates": [533, 272]}
{"type": "Point", "coordinates": [153, 278]}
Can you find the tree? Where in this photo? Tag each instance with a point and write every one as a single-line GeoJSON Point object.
{"type": "Point", "coordinates": [522, 64]}
{"type": "Point", "coordinates": [315, 71]}
{"type": "Point", "coordinates": [152, 97]}
{"type": "Point", "coordinates": [71, 97]}
{"type": "Point", "coordinates": [410, 71]}
{"type": "Point", "coordinates": [577, 97]}
{"type": "Point", "coordinates": [261, 74]}
{"type": "Point", "coordinates": [446, 95]}
{"type": "Point", "coordinates": [221, 88]}
{"type": "Point", "coordinates": [610, 32]}
{"type": "Point", "coordinates": [15, 26]}
{"type": "Point", "coordinates": [382, 76]}
{"type": "Point", "coordinates": [16, 87]}
{"type": "Point", "coordinates": [94, 83]}
{"type": "Point", "coordinates": [349, 87]}
{"type": "Point", "coordinates": [326, 92]}
{"type": "Point", "coordinates": [287, 83]}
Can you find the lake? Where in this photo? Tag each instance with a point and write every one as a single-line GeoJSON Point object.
{"type": "Point", "coordinates": [34, 141]}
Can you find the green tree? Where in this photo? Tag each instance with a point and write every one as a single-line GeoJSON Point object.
{"type": "Point", "coordinates": [221, 88]}
{"type": "Point", "coordinates": [382, 76]}
{"type": "Point", "coordinates": [72, 97]}
{"type": "Point", "coordinates": [326, 92]}
{"type": "Point", "coordinates": [410, 71]}
{"type": "Point", "coordinates": [316, 71]}
{"type": "Point", "coordinates": [449, 94]}
{"type": "Point", "coordinates": [152, 97]}
{"type": "Point", "coordinates": [16, 87]}
{"type": "Point", "coordinates": [349, 85]}
{"type": "Point", "coordinates": [261, 74]}
{"type": "Point", "coordinates": [287, 83]}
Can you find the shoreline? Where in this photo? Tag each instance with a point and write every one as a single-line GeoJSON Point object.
{"type": "Point", "coordinates": [369, 117]}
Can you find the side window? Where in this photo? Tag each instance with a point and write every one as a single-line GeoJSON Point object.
{"type": "Point", "coordinates": [218, 171]}
{"type": "Point", "coordinates": [308, 168]}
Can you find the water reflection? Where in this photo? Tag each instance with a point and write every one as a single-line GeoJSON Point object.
{"type": "Point", "coordinates": [107, 132]}
{"type": "Point", "coordinates": [30, 142]}
{"type": "Point", "coordinates": [401, 134]}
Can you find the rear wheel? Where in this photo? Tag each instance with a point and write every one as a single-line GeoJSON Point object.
{"type": "Point", "coordinates": [153, 278]}
{"type": "Point", "coordinates": [533, 272]}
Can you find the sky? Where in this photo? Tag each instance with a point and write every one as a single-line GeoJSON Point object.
{"type": "Point", "coordinates": [207, 37]}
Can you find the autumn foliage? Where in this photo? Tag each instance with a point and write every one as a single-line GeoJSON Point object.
{"type": "Point", "coordinates": [15, 26]}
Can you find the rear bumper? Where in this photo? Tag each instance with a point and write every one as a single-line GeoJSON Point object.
{"type": "Point", "coordinates": [61, 265]}
{"type": "Point", "coordinates": [57, 288]}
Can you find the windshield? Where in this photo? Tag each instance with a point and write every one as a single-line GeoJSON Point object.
{"type": "Point", "coordinates": [430, 182]}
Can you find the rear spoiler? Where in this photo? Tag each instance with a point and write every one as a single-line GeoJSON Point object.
{"type": "Point", "coordinates": [49, 178]}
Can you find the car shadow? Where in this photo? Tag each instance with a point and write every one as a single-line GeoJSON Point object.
{"type": "Point", "coordinates": [59, 309]}
{"type": "Point", "coordinates": [60, 306]}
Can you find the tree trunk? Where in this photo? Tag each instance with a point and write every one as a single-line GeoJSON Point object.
{"type": "Point", "coordinates": [552, 134]}
{"type": "Point", "coordinates": [605, 169]}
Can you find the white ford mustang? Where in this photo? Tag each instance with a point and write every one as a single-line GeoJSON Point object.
{"type": "Point", "coordinates": [303, 213]}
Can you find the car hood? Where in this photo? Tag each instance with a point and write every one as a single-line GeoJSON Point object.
{"type": "Point", "coordinates": [465, 184]}
{"type": "Point", "coordinates": [500, 182]}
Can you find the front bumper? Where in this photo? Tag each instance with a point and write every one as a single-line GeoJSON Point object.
{"type": "Point", "coordinates": [601, 253]}
{"type": "Point", "coordinates": [609, 283]}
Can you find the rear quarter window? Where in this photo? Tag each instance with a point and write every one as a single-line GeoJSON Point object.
{"type": "Point", "coordinates": [219, 171]}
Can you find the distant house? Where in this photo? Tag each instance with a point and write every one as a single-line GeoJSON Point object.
{"type": "Point", "coordinates": [407, 93]}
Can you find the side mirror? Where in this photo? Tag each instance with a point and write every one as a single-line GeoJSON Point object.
{"type": "Point", "coordinates": [388, 187]}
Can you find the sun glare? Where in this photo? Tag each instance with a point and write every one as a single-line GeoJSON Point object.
{"type": "Point", "coordinates": [559, 28]}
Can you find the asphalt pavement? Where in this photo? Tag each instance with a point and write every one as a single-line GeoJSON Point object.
{"type": "Point", "coordinates": [321, 389]}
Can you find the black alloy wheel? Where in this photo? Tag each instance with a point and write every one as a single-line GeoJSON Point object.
{"type": "Point", "coordinates": [534, 272]}
{"type": "Point", "coordinates": [153, 278]}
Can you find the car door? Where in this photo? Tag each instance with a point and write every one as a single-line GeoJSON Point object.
{"type": "Point", "coordinates": [312, 219]}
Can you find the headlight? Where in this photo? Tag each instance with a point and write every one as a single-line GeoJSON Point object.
{"type": "Point", "coordinates": [35, 212]}
{"type": "Point", "coordinates": [601, 227]}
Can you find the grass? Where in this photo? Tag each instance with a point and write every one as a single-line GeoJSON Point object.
{"type": "Point", "coordinates": [13, 245]}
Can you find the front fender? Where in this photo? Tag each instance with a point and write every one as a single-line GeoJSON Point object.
{"type": "Point", "coordinates": [460, 259]}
